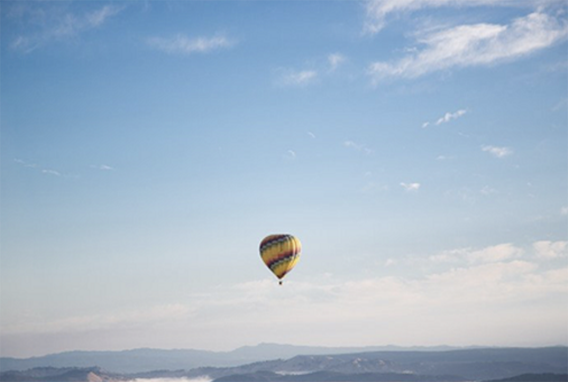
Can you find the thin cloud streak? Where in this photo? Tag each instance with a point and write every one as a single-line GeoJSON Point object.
{"type": "Point", "coordinates": [62, 27]}
{"type": "Point", "coordinates": [377, 11]}
{"type": "Point", "coordinates": [497, 152]}
{"type": "Point", "coordinates": [103, 167]}
{"type": "Point", "coordinates": [358, 147]}
{"type": "Point", "coordinates": [335, 61]}
{"type": "Point", "coordinates": [410, 187]}
{"type": "Point", "coordinates": [450, 116]}
{"type": "Point", "coordinates": [51, 172]}
{"type": "Point", "coordinates": [474, 45]}
{"type": "Point", "coordinates": [547, 249]}
{"type": "Point", "coordinates": [294, 78]}
{"type": "Point", "coordinates": [184, 45]}
{"type": "Point", "coordinates": [447, 118]}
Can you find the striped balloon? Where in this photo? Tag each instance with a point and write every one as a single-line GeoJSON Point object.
{"type": "Point", "coordinates": [280, 253]}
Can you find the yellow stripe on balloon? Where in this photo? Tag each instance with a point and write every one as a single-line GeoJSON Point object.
{"type": "Point", "coordinates": [280, 253]}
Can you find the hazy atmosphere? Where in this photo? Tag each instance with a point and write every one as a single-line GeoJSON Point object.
{"type": "Point", "coordinates": [418, 149]}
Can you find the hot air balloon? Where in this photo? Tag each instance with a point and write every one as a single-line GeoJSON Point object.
{"type": "Point", "coordinates": [280, 253]}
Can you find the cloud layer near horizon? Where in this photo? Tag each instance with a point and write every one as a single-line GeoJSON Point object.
{"type": "Point", "coordinates": [495, 282]}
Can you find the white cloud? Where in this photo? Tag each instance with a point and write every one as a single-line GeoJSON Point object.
{"type": "Point", "coordinates": [498, 152]}
{"type": "Point", "coordinates": [58, 26]}
{"type": "Point", "coordinates": [358, 147]}
{"type": "Point", "coordinates": [377, 11]}
{"type": "Point", "coordinates": [118, 319]}
{"type": "Point", "coordinates": [103, 167]}
{"type": "Point", "coordinates": [474, 45]}
{"type": "Point", "coordinates": [486, 190]}
{"type": "Point", "coordinates": [311, 134]}
{"type": "Point", "coordinates": [24, 44]}
{"type": "Point", "coordinates": [290, 154]}
{"type": "Point", "coordinates": [446, 118]}
{"type": "Point", "coordinates": [51, 172]}
{"type": "Point", "coordinates": [463, 293]}
{"type": "Point", "coordinates": [182, 44]}
{"type": "Point", "coordinates": [96, 18]}
{"type": "Point", "coordinates": [296, 78]}
{"type": "Point", "coordinates": [564, 211]}
{"type": "Point", "coordinates": [25, 164]}
{"type": "Point", "coordinates": [550, 250]}
{"type": "Point", "coordinates": [335, 60]}
{"type": "Point", "coordinates": [450, 256]}
{"type": "Point", "coordinates": [449, 116]}
{"type": "Point", "coordinates": [561, 105]}
{"type": "Point", "coordinates": [411, 186]}
{"type": "Point", "coordinates": [495, 253]}
{"type": "Point", "coordinates": [491, 254]}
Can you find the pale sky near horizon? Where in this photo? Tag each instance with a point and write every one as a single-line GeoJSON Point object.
{"type": "Point", "coordinates": [418, 149]}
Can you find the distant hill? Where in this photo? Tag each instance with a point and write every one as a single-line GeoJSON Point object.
{"type": "Point", "coordinates": [326, 376]}
{"type": "Point", "coordinates": [99, 375]}
{"type": "Point", "coordinates": [546, 377]}
{"type": "Point", "coordinates": [140, 360]}
{"type": "Point", "coordinates": [51, 374]}
{"type": "Point", "coordinates": [504, 364]}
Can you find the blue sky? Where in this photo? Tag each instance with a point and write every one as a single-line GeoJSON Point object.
{"type": "Point", "coordinates": [418, 149]}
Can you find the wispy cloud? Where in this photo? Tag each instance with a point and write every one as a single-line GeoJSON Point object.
{"type": "Point", "coordinates": [25, 164]}
{"type": "Point", "coordinates": [289, 77]}
{"type": "Point", "coordinates": [43, 170]}
{"type": "Point", "coordinates": [550, 250]}
{"type": "Point", "coordinates": [160, 313]}
{"type": "Point", "coordinates": [335, 60]}
{"type": "Point", "coordinates": [410, 187]}
{"type": "Point", "coordinates": [56, 26]}
{"type": "Point", "coordinates": [486, 190]}
{"type": "Point", "coordinates": [102, 167]}
{"type": "Point", "coordinates": [447, 118]}
{"type": "Point", "coordinates": [98, 17]}
{"type": "Point", "coordinates": [377, 11]}
{"type": "Point", "coordinates": [181, 44]}
{"type": "Point", "coordinates": [470, 284]}
{"type": "Point", "coordinates": [561, 105]}
{"type": "Point", "coordinates": [474, 45]}
{"type": "Point", "coordinates": [358, 147]}
{"type": "Point", "coordinates": [290, 155]}
{"type": "Point", "coordinates": [495, 253]}
{"type": "Point", "coordinates": [498, 152]}
{"type": "Point", "coordinates": [51, 172]}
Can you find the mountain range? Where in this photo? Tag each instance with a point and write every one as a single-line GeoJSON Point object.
{"type": "Point", "coordinates": [479, 364]}
{"type": "Point", "coordinates": [140, 360]}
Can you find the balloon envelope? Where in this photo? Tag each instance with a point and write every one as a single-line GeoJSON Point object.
{"type": "Point", "coordinates": [280, 253]}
